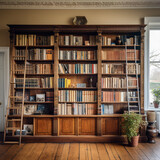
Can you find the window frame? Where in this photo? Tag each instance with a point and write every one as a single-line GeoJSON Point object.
{"type": "Point", "coordinates": [152, 23]}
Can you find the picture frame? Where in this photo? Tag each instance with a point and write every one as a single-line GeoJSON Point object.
{"type": "Point", "coordinates": [41, 108]}
{"type": "Point", "coordinates": [32, 98]}
{"type": "Point", "coordinates": [29, 109]}
{"type": "Point", "coordinates": [40, 97]}
{"type": "Point", "coordinates": [28, 128]}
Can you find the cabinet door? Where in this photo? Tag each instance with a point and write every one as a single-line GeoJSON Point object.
{"type": "Point", "coordinates": [43, 126]}
{"type": "Point", "coordinates": [110, 126]}
{"type": "Point", "coordinates": [66, 126]}
{"type": "Point", "coordinates": [87, 126]}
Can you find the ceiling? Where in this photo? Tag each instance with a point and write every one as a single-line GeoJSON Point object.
{"type": "Point", "coordinates": [78, 4]}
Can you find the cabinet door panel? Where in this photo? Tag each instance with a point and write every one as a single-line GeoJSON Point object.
{"type": "Point", "coordinates": [87, 126]}
{"type": "Point", "coordinates": [43, 126]}
{"type": "Point", "coordinates": [66, 126]}
{"type": "Point", "coordinates": [110, 126]}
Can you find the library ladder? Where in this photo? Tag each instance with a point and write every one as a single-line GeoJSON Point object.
{"type": "Point", "coordinates": [12, 108]}
{"type": "Point", "coordinates": [132, 96]}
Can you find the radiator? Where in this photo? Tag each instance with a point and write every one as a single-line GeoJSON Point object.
{"type": "Point", "coordinates": [158, 121]}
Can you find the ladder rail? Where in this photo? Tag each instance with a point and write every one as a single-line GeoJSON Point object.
{"type": "Point", "coordinates": [137, 78]}
{"type": "Point", "coordinates": [7, 113]}
{"type": "Point", "coordinates": [127, 79]}
{"type": "Point", "coordinates": [22, 108]}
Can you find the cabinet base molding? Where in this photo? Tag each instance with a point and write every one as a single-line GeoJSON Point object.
{"type": "Point", "coordinates": [75, 139]}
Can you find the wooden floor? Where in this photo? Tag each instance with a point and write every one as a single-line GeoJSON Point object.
{"type": "Point", "coordinates": [82, 151]}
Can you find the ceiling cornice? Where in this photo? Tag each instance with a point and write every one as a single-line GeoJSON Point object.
{"type": "Point", "coordinates": [77, 4]}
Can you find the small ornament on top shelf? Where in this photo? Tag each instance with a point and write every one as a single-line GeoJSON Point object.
{"type": "Point", "coordinates": [80, 20]}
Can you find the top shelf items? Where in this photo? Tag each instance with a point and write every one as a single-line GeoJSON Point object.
{"type": "Point", "coordinates": [34, 40]}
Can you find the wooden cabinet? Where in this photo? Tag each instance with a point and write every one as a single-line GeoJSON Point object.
{"type": "Point", "coordinates": [87, 126]}
{"type": "Point", "coordinates": [66, 126]}
{"type": "Point", "coordinates": [43, 126]}
{"type": "Point", "coordinates": [110, 126]}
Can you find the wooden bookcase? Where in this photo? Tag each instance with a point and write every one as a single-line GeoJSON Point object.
{"type": "Point", "coordinates": [70, 48]}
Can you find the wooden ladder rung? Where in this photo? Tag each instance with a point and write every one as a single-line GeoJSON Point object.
{"type": "Point", "coordinates": [133, 106]}
{"type": "Point", "coordinates": [10, 142]}
{"type": "Point", "coordinates": [19, 70]}
{"type": "Point", "coordinates": [132, 79]}
{"type": "Point", "coordinates": [13, 107]}
{"type": "Point", "coordinates": [134, 111]}
{"type": "Point", "coordinates": [12, 128]}
{"type": "Point", "coordinates": [13, 120]}
{"type": "Point", "coordinates": [19, 56]}
{"type": "Point", "coordinates": [12, 82]}
{"type": "Point", "coordinates": [16, 96]}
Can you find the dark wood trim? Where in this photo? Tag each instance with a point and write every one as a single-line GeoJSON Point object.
{"type": "Point", "coordinates": [73, 139]}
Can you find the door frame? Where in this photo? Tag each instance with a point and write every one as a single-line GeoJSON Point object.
{"type": "Point", "coordinates": [5, 51]}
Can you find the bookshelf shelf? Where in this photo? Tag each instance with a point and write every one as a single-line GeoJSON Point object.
{"type": "Point", "coordinates": [35, 75]}
{"type": "Point", "coordinates": [76, 49]}
{"type": "Point", "coordinates": [121, 61]}
{"type": "Point", "coordinates": [36, 61]}
{"type": "Point", "coordinates": [120, 46]}
{"type": "Point", "coordinates": [77, 61]}
{"type": "Point", "coordinates": [119, 102]}
{"type": "Point", "coordinates": [78, 74]}
{"type": "Point", "coordinates": [27, 88]}
{"type": "Point", "coordinates": [37, 46]}
{"type": "Point", "coordinates": [31, 102]}
{"type": "Point", "coordinates": [121, 74]}
{"type": "Point", "coordinates": [118, 88]}
{"type": "Point", "coordinates": [79, 102]}
{"type": "Point", "coordinates": [85, 88]}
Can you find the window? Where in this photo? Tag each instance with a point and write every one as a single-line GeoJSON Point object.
{"type": "Point", "coordinates": [152, 59]}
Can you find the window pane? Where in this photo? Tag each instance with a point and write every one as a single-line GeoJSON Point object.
{"type": "Point", "coordinates": [154, 45]}
{"type": "Point", "coordinates": [154, 79]}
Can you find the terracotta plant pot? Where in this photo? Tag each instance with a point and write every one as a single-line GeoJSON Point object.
{"type": "Point", "coordinates": [156, 104]}
{"type": "Point", "coordinates": [134, 141]}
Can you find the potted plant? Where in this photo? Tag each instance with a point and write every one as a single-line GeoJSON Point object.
{"type": "Point", "coordinates": [156, 94]}
{"type": "Point", "coordinates": [131, 125]}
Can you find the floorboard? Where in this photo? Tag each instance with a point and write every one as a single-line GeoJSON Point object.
{"type": "Point", "coordinates": [80, 151]}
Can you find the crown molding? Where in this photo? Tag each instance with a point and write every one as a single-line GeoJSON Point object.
{"type": "Point", "coordinates": [77, 4]}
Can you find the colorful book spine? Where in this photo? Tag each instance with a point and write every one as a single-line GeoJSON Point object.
{"type": "Point", "coordinates": [77, 68]}
{"type": "Point", "coordinates": [77, 96]}
{"type": "Point", "coordinates": [76, 109]}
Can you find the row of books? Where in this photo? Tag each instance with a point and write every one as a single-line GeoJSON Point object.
{"type": "Point", "coordinates": [64, 83]}
{"type": "Point", "coordinates": [76, 40]}
{"type": "Point", "coordinates": [114, 68]}
{"type": "Point", "coordinates": [117, 96]}
{"type": "Point", "coordinates": [77, 55]}
{"type": "Point", "coordinates": [119, 68]}
{"type": "Point", "coordinates": [113, 82]}
{"type": "Point", "coordinates": [116, 82]}
{"type": "Point", "coordinates": [34, 68]}
{"type": "Point", "coordinates": [107, 109]}
{"type": "Point", "coordinates": [45, 97]}
{"type": "Point", "coordinates": [33, 40]}
{"type": "Point", "coordinates": [133, 68]}
{"type": "Point", "coordinates": [34, 54]}
{"type": "Point", "coordinates": [47, 82]}
{"type": "Point", "coordinates": [76, 109]}
{"type": "Point", "coordinates": [120, 40]}
{"type": "Point", "coordinates": [77, 96]}
{"type": "Point", "coordinates": [77, 68]}
{"type": "Point", "coordinates": [120, 54]}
